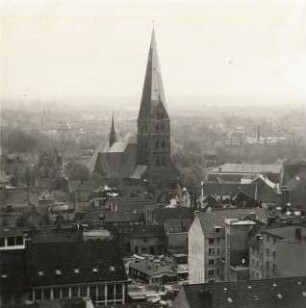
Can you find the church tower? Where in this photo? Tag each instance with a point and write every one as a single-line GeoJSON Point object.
{"type": "Point", "coordinates": [153, 124]}
{"type": "Point", "coordinates": [112, 134]}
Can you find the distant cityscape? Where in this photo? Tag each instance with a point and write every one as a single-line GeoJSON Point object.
{"type": "Point", "coordinates": [150, 206]}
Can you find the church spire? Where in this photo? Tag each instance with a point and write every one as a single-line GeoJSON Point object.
{"type": "Point", "coordinates": [153, 97]}
{"type": "Point", "coordinates": [112, 135]}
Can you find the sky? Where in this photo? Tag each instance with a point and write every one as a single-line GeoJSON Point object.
{"type": "Point", "coordinates": [89, 50]}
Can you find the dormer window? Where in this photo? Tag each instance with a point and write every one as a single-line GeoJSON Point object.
{"type": "Point", "coordinates": [58, 272]}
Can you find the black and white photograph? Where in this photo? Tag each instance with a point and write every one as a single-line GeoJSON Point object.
{"type": "Point", "coordinates": [153, 153]}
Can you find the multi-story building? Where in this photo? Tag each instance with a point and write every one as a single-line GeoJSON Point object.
{"type": "Point", "coordinates": [63, 270]}
{"type": "Point", "coordinates": [269, 247]}
{"type": "Point", "coordinates": [207, 242]}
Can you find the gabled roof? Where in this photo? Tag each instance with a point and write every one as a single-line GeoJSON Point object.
{"type": "Point", "coordinates": [216, 218]}
{"type": "Point", "coordinates": [286, 292]}
{"type": "Point", "coordinates": [285, 232]}
{"type": "Point", "coordinates": [68, 263]}
{"type": "Point", "coordinates": [153, 97]}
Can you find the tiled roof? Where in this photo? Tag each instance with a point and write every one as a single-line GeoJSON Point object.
{"type": "Point", "coordinates": [162, 214]}
{"type": "Point", "coordinates": [248, 168]}
{"type": "Point", "coordinates": [289, 292]}
{"type": "Point", "coordinates": [148, 231]}
{"type": "Point", "coordinates": [121, 216]}
{"type": "Point", "coordinates": [68, 263]}
{"type": "Point", "coordinates": [227, 189]}
{"type": "Point", "coordinates": [284, 233]}
{"type": "Point", "coordinates": [209, 220]}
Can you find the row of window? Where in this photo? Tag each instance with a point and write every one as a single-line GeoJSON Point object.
{"type": "Point", "coordinates": [95, 292]}
{"type": "Point", "coordinates": [11, 241]}
{"type": "Point", "coordinates": [160, 161]}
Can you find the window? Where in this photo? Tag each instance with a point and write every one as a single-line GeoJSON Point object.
{"type": "Point", "coordinates": [211, 262]}
{"type": "Point", "coordinates": [75, 291]}
{"type": "Point", "coordinates": [56, 292]}
{"type": "Point", "coordinates": [211, 251]}
{"type": "Point", "coordinates": [157, 126]}
{"type": "Point", "coordinates": [58, 272]}
{"type": "Point", "coordinates": [38, 294]}
{"type": "Point", "coordinates": [83, 291]}
{"type": "Point", "coordinates": [101, 292]}
{"type": "Point", "coordinates": [163, 144]}
{"type": "Point", "coordinates": [10, 241]}
{"type": "Point", "coordinates": [40, 273]}
{"type": "Point", "coordinates": [92, 292]}
{"type": "Point", "coordinates": [2, 242]}
{"type": "Point", "coordinates": [65, 292]}
{"type": "Point", "coordinates": [47, 294]}
{"type": "Point", "coordinates": [268, 265]}
{"type": "Point", "coordinates": [211, 241]}
{"type": "Point", "coordinates": [274, 255]}
{"type": "Point", "coordinates": [19, 240]}
{"type": "Point", "coordinates": [76, 271]}
{"type": "Point", "coordinates": [211, 273]}
{"type": "Point", "coordinates": [157, 144]}
{"type": "Point", "coordinates": [267, 251]}
{"type": "Point", "coordinates": [110, 291]}
{"type": "Point", "coordinates": [118, 291]}
{"type": "Point", "coordinates": [268, 238]}
{"type": "Point", "coordinates": [157, 162]}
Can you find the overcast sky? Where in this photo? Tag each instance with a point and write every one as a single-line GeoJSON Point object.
{"type": "Point", "coordinates": [89, 50]}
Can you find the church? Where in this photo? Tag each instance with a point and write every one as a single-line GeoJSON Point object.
{"type": "Point", "coordinates": [148, 156]}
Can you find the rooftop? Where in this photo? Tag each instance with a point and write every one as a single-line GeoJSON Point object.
{"type": "Point", "coordinates": [248, 168]}
{"type": "Point", "coordinates": [56, 263]}
{"type": "Point", "coordinates": [267, 293]}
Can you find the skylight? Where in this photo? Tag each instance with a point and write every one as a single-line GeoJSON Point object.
{"type": "Point", "coordinates": [112, 268]}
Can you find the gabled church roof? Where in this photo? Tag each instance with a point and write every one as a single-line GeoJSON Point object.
{"type": "Point", "coordinates": [153, 97]}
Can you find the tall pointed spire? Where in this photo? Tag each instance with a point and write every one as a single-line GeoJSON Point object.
{"type": "Point", "coordinates": [112, 135]}
{"type": "Point", "coordinates": [153, 97]}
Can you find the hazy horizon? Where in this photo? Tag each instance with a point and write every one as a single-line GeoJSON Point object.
{"type": "Point", "coordinates": [245, 52]}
